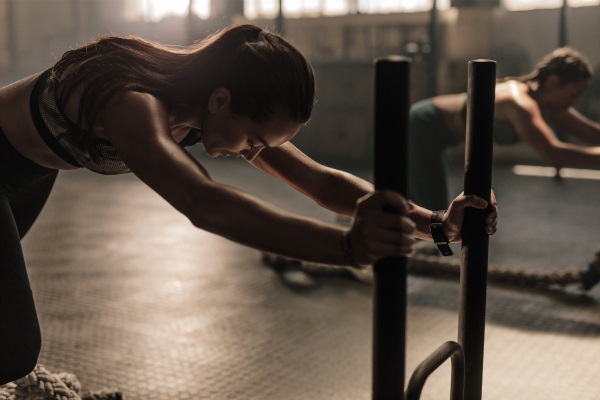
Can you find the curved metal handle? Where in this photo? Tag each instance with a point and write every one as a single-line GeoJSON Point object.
{"type": "Point", "coordinates": [434, 361]}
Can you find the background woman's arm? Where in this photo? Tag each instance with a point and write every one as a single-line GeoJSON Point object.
{"type": "Point", "coordinates": [531, 127]}
{"type": "Point", "coordinates": [578, 125]}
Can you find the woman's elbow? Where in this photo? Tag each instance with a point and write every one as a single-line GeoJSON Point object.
{"type": "Point", "coordinates": [205, 215]}
{"type": "Point", "coordinates": [195, 205]}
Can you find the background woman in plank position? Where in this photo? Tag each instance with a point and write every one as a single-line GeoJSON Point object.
{"type": "Point", "coordinates": [527, 109]}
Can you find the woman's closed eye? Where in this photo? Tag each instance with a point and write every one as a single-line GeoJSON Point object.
{"type": "Point", "coordinates": [251, 145]}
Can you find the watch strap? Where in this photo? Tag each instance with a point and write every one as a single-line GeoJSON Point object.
{"type": "Point", "coordinates": [437, 233]}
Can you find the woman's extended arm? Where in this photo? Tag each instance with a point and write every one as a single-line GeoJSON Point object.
{"type": "Point", "coordinates": [145, 144]}
{"type": "Point", "coordinates": [339, 191]}
{"type": "Point", "coordinates": [531, 127]}
{"type": "Point", "coordinates": [330, 188]}
{"type": "Point", "coordinates": [578, 125]}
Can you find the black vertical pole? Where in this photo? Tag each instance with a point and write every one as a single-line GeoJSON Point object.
{"type": "Point", "coordinates": [434, 40]}
{"type": "Point", "coordinates": [392, 103]}
{"type": "Point", "coordinates": [281, 19]}
{"type": "Point", "coordinates": [478, 181]}
{"type": "Point", "coordinates": [562, 42]}
{"type": "Point", "coordinates": [562, 35]}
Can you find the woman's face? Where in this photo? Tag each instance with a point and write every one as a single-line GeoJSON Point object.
{"type": "Point", "coordinates": [227, 134]}
{"type": "Point", "coordinates": [559, 97]}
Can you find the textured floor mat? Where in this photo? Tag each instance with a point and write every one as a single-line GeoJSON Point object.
{"type": "Point", "coordinates": [131, 295]}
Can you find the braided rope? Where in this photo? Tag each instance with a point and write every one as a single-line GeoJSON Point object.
{"type": "Point", "coordinates": [422, 264]}
{"type": "Point", "coordinates": [431, 265]}
{"type": "Point", "coordinates": [40, 384]}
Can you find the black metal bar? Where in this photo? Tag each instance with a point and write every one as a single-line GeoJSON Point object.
{"type": "Point", "coordinates": [433, 362]}
{"type": "Point", "coordinates": [392, 103]}
{"type": "Point", "coordinates": [434, 54]}
{"type": "Point", "coordinates": [475, 241]}
{"type": "Point", "coordinates": [562, 42]}
{"type": "Point", "coordinates": [563, 26]}
{"type": "Point", "coordinates": [281, 19]}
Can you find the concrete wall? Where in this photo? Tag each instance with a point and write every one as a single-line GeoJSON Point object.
{"type": "Point", "coordinates": [341, 48]}
{"type": "Point", "coordinates": [45, 29]}
{"type": "Point", "coordinates": [515, 39]}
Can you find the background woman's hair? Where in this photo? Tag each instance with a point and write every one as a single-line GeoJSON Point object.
{"type": "Point", "coordinates": [566, 63]}
{"type": "Point", "coordinates": [264, 73]}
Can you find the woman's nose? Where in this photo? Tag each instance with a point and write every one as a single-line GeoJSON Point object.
{"type": "Point", "coordinates": [250, 155]}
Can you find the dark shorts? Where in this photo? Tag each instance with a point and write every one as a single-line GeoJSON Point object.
{"type": "Point", "coordinates": [429, 139]}
{"type": "Point", "coordinates": [15, 169]}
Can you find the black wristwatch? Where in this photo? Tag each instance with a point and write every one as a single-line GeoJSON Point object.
{"type": "Point", "coordinates": [437, 233]}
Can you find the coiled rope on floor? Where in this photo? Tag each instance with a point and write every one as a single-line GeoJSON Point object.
{"type": "Point", "coordinates": [434, 265]}
{"type": "Point", "coordinates": [41, 384]}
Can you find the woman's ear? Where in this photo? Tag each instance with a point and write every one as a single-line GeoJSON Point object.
{"type": "Point", "coordinates": [218, 100]}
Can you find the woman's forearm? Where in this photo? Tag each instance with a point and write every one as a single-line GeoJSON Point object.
{"type": "Point", "coordinates": [421, 217]}
{"type": "Point", "coordinates": [240, 217]}
{"type": "Point", "coordinates": [340, 191]}
{"type": "Point", "coordinates": [571, 155]}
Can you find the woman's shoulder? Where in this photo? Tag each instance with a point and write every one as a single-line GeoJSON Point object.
{"type": "Point", "coordinates": [514, 94]}
{"type": "Point", "coordinates": [22, 84]}
{"type": "Point", "coordinates": [511, 88]}
{"type": "Point", "coordinates": [514, 102]}
{"type": "Point", "coordinates": [14, 97]}
{"type": "Point", "coordinates": [148, 108]}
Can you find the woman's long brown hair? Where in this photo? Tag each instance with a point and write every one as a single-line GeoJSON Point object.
{"type": "Point", "coordinates": [264, 73]}
{"type": "Point", "coordinates": [566, 63]}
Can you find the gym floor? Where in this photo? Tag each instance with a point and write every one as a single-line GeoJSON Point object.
{"type": "Point", "coordinates": [131, 295]}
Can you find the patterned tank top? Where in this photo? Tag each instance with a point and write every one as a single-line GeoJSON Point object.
{"type": "Point", "coordinates": [63, 136]}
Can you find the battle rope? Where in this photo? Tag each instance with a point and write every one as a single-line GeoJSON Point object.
{"type": "Point", "coordinates": [428, 264]}
{"type": "Point", "coordinates": [421, 264]}
{"type": "Point", "coordinates": [41, 384]}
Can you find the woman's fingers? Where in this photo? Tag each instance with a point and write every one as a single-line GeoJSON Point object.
{"type": "Point", "coordinates": [373, 247]}
{"type": "Point", "coordinates": [454, 220]}
{"type": "Point", "coordinates": [380, 227]}
{"type": "Point", "coordinates": [463, 201]}
{"type": "Point", "coordinates": [388, 221]}
{"type": "Point", "coordinates": [385, 200]}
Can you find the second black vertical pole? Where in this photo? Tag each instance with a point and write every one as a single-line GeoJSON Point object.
{"type": "Point", "coordinates": [392, 103]}
{"type": "Point", "coordinates": [434, 41]}
{"type": "Point", "coordinates": [563, 26]}
{"type": "Point", "coordinates": [475, 241]}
